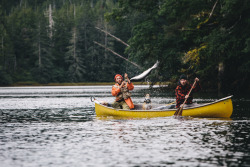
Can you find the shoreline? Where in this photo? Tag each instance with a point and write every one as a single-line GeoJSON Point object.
{"type": "Point", "coordinates": [31, 84]}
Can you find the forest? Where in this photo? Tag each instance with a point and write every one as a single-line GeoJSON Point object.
{"type": "Point", "coordinates": [72, 41]}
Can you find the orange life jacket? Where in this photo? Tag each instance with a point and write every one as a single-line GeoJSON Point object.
{"type": "Point", "coordinates": [123, 93]}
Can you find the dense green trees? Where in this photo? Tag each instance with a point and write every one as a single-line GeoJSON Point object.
{"type": "Point", "coordinates": [52, 41]}
{"type": "Point", "coordinates": [204, 38]}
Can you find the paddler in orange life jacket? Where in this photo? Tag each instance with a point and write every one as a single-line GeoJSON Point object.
{"type": "Point", "coordinates": [121, 91]}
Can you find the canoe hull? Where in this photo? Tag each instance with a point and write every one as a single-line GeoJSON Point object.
{"type": "Point", "coordinates": [222, 108]}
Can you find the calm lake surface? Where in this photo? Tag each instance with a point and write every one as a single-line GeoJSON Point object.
{"type": "Point", "coordinates": [57, 126]}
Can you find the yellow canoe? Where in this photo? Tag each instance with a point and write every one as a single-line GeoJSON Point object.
{"type": "Point", "coordinates": [222, 108]}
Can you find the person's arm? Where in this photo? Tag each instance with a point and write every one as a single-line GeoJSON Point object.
{"type": "Point", "coordinates": [130, 85]}
{"type": "Point", "coordinates": [197, 86]}
{"type": "Point", "coordinates": [115, 90]}
{"type": "Point", "coordinates": [126, 77]}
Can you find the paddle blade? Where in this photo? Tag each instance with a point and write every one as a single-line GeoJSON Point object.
{"type": "Point", "coordinates": [178, 112]}
{"type": "Point", "coordinates": [145, 73]}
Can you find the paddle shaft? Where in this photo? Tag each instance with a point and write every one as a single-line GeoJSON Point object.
{"type": "Point", "coordinates": [179, 110]}
{"type": "Point", "coordinates": [189, 94]}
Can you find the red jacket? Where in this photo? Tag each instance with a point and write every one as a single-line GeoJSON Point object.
{"type": "Point", "coordinates": [116, 91]}
{"type": "Point", "coordinates": [182, 91]}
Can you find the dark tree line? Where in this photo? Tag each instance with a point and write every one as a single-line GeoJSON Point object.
{"type": "Point", "coordinates": [53, 40]}
{"type": "Point", "coordinates": [204, 38]}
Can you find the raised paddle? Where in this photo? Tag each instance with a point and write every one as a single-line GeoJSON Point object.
{"type": "Point", "coordinates": [178, 112]}
{"type": "Point", "coordinates": [145, 73]}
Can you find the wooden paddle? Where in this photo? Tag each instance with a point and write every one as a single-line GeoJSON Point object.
{"type": "Point", "coordinates": [145, 73]}
{"type": "Point", "coordinates": [178, 112]}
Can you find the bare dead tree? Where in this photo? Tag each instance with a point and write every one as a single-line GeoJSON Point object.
{"type": "Point", "coordinates": [118, 39]}
{"type": "Point", "coordinates": [118, 55]}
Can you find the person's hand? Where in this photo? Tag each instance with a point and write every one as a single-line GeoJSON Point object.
{"type": "Point", "coordinates": [126, 77]}
{"type": "Point", "coordinates": [123, 83]}
{"type": "Point", "coordinates": [196, 79]}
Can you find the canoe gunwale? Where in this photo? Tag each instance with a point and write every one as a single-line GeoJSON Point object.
{"type": "Point", "coordinates": [195, 107]}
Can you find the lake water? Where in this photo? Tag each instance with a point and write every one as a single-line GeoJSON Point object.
{"type": "Point", "coordinates": [57, 127]}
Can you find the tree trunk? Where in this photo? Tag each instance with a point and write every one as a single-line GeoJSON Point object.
{"type": "Point", "coordinates": [21, 3]}
{"type": "Point", "coordinates": [220, 77]}
{"type": "Point", "coordinates": [51, 21]}
{"type": "Point", "coordinates": [74, 36]}
{"type": "Point", "coordinates": [106, 41]}
{"type": "Point", "coordinates": [39, 47]}
{"type": "Point", "coordinates": [3, 54]}
{"type": "Point", "coordinates": [74, 42]}
{"type": "Point", "coordinates": [74, 11]}
{"type": "Point", "coordinates": [15, 63]}
{"type": "Point", "coordinates": [91, 4]}
{"type": "Point", "coordinates": [85, 36]}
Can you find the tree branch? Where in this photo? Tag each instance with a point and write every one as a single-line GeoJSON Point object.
{"type": "Point", "coordinates": [112, 36]}
{"type": "Point", "coordinates": [118, 55]}
{"type": "Point", "coordinates": [213, 9]}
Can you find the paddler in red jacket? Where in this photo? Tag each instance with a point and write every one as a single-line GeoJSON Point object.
{"type": "Point", "coordinates": [121, 91]}
{"type": "Point", "coordinates": [183, 89]}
